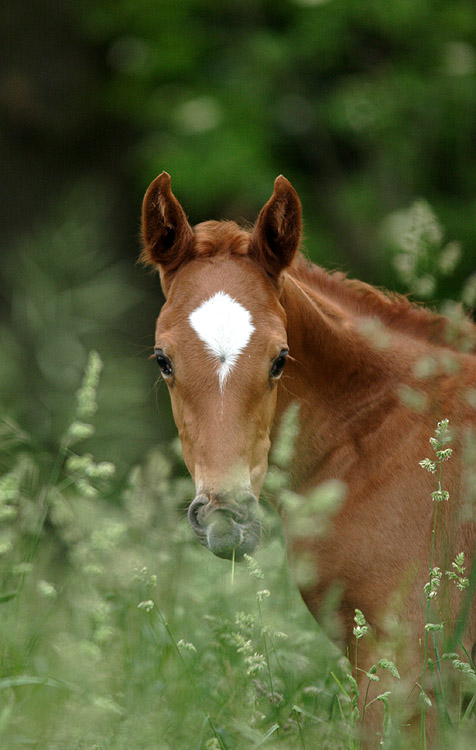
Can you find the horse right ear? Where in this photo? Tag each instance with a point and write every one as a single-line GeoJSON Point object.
{"type": "Point", "coordinates": [277, 232]}
{"type": "Point", "coordinates": [168, 237]}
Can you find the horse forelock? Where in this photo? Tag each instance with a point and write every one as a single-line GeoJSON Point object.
{"type": "Point", "coordinates": [220, 237]}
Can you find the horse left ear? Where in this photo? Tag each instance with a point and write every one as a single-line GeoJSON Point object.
{"type": "Point", "coordinates": [277, 232]}
{"type": "Point", "coordinates": [168, 237]}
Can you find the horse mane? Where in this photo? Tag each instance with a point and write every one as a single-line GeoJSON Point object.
{"type": "Point", "coordinates": [358, 298]}
{"type": "Point", "coordinates": [395, 310]}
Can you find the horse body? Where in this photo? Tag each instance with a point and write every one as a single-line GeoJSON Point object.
{"type": "Point", "coordinates": [237, 302]}
{"type": "Point", "coordinates": [355, 427]}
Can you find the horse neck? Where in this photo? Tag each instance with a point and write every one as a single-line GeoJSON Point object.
{"type": "Point", "coordinates": [333, 372]}
{"type": "Point", "coordinates": [327, 346]}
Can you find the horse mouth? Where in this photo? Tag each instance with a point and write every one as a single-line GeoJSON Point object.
{"type": "Point", "coordinates": [228, 538]}
{"type": "Point", "coordinates": [231, 540]}
{"type": "Point", "coordinates": [228, 528]}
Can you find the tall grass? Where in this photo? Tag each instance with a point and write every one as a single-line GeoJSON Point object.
{"type": "Point", "coordinates": [118, 631]}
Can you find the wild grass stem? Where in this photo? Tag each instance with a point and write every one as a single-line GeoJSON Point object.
{"type": "Point", "coordinates": [190, 676]}
{"type": "Point", "coordinates": [268, 665]}
{"type": "Point", "coordinates": [428, 608]}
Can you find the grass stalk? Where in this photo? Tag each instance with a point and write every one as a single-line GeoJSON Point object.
{"type": "Point", "coordinates": [190, 676]}
{"type": "Point", "coordinates": [268, 665]}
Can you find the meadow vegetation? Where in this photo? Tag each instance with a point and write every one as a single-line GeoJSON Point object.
{"type": "Point", "coordinates": [119, 632]}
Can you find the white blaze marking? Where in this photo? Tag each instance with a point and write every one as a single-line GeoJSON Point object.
{"type": "Point", "coordinates": [225, 327]}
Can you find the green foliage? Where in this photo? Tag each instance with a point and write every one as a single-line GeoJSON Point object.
{"type": "Point", "coordinates": [358, 102]}
{"type": "Point", "coordinates": [70, 295]}
{"type": "Point", "coordinates": [102, 625]}
{"type": "Point", "coordinates": [361, 627]}
{"type": "Point", "coordinates": [457, 572]}
{"type": "Point", "coordinates": [115, 621]}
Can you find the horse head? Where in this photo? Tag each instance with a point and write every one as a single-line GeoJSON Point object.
{"type": "Point", "coordinates": [221, 347]}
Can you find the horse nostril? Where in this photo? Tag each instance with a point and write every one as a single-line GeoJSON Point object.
{"type": "Point", "coordinates": [194, 511]}
{"type": "Point", "coordinates": [240, 508]}
{"type": "Point", "coordinates": [245, 506]}
{"type": "Point", "coordinates": [250, 502]}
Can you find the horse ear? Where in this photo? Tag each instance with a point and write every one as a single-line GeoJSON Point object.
{"type": "Point", "coordinates": [168, 237]}
{"type": "Point", "coordinates": [277, 231]}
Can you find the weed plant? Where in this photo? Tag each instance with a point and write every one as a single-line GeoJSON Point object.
{"type": "Point", "coordinates": [119, 632]}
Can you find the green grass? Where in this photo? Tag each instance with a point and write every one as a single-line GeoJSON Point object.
{"type": "Point", "coordinates": [125, 633]}
{"type": "Point", "coordinates": [119, 631]}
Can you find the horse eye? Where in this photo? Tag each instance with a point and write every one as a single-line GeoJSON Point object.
{"type": "Point", "coordinates": [164, 363]}
{"type": "Point", "coordinates": [278, 365]}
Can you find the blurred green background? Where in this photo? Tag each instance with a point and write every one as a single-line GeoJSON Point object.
{"type": "Point", "coordinates": [365, 106]}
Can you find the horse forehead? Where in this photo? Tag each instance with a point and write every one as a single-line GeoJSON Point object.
{"type": "Point", "coordinates": [226, 292]}
{"type": "Point", "coordinates": [222, 323]}
{"type": "Point", "coordinates": [225, 327]}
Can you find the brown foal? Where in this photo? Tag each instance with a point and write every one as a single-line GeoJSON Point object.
{"type": "Point", "coordinates": [249, 327]}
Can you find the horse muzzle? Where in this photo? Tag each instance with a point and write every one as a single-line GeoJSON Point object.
{"type": "Point", "coordinates": [226, 523]}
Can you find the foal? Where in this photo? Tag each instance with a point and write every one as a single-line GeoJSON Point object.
{"type": "Point", "coordinates": [249, 327]}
